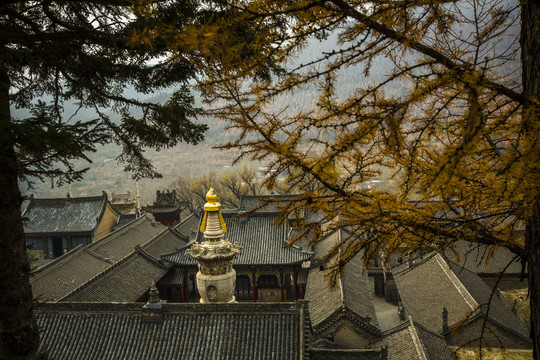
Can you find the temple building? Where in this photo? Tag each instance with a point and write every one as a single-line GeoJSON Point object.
{"type": "Point", "coordinates": [188, 292]}
{"type": "Point", "coordinates": [57, 225]}
{"type": "Point", "coordinates": [267, 269]}
{"type": "Point", "coordinates": [87, 263]}
{"type": "Point", "coordinates": [166, 209]}
{"type": "Point", "coordinates": [454, 302]}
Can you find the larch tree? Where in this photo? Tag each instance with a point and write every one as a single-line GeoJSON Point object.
{"type": "Point", "coordinates": [84, 51]}
{"type": "Point", "coordinates": [230, 186]}
{"type": "Point", "coordinates": [454, 117]}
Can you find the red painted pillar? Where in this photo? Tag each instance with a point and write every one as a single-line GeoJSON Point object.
{"type": "Point", "coordinates": [282, 289]}
{"type": "Point", "coordinates": [254, 287]}
{"type": "Point", "coordinates": [295, 285]}
{"type": "Point", "coordinates": [186, 291]}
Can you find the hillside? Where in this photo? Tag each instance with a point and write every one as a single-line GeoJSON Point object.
{"type": "Point", "coordinates": [186, 160]}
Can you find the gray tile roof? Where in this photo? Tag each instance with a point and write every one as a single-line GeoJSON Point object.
{"type": "Point", "coordinates": [411, 341]}
{"type": "Point", "coordinates": [129, 278]}
{"type": "Point", "coordinates": [349, 297]}
{"type": "Point", "coordinates": [166, 202]}
{"type": "Point", "coordinates": [475, 258]}
{"type": "Point", "coordinates": [56, 279]}
{"type": "Point", "coordinates": [189, 226]}
{"type": "Point", "coordinates": [163, 209]}
{"type": "Point", "coordinates": [124, 219]}
{"type": "Point", "coordinates": [498, 311]}
{"type": "Point", "coordinates": [263, 242]}
{"type": "Point", "coordinates": [433, 284]}
{"type": "Point", "coordinates": [64, 215]}
{"type": "Point", "coordinates": [327, 247]}
{"type": "Point", "coordinates": [125, 281]}
{"type": "Point", "coordinates": [61, 276]}
{"type": "Point", "coordinates": [347, 354]}
{"type": "Point", "coordinates": [115, 246]}
{"type": "Point", "coordinates": [276, 203]}
{"type": "Point", "coordinates": [264, 203]}
{"type": "Point", "coordinates": [187, 332]}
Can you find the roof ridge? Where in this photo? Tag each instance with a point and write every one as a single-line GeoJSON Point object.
{"type": "Point", "coordinates": [185, 220]}
{"type": "Point", "coordinates": [80, 198]}
{"type": "Point", "coordinates": [490, 318]}
{"type": "Point", "coordinates": [398, 327]}
{"type": "Point", "coordinates": [98, 276]}
{"type": "Point", "coordinates": [123, 229]}
{"type": "Point", "coordinates": [150, 257]}
{"type": "Point", "coordinates": [39, 272]}
{"type": "Point", "coordinates": [183, 248]}
{"type": "Point", "coordinates": [138, 251]}
{"type": "Point", "coordinates": [416, 341]}
{"type": "Point", "coordinates": [418, 325]}
{"type": "Point", "coordinates": [154, 238]}
{"type": "Point", "coordinates": [341, 292]}
{"type": "Point", "coordinates": [97, 256]}
{"type": "Point", "coordinates": [462, 290]}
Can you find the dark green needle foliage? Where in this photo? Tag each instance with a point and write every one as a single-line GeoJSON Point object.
{"type": "Point", "coordinates": [83, 52]}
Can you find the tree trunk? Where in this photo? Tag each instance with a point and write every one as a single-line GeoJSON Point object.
{"type": "Point", "coordinates": [533, 258]}
{"type": "Point", "coordinates": [530, 53]}
{"type": "Point", "coordinates": [19, 338]}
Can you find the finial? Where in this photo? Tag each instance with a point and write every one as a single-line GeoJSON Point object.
{"type": "Point", "coordinates": [138, 200]}
{"type": "Point", "coordinates": [212, 205]}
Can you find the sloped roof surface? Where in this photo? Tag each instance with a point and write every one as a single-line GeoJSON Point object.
{"type": "Point", "coordinates": [124, 219]}
{"type": "Point", "coordinates": [125, 281]}
{"type": "Point", "coordinates": [189, 226]}
{"type": "Point", "coordinates": [324, 247]}
{"type": "Point", "coordinates": [411, 341]}
{"type": "Point", "coordinates": [498, 311]}
{"type": "Point", "coordinates": [63, 215]}
{"type": "Point", "coordinates": [129, 278]}
{"type": "Point", "coordinates": [167, 241]}
{"type": "Point", "coordinates": [351, 292]}
{"type": "Point", "coordinates": [264, 203]}
{"type": "Point", "coordinates": [135, 233]}
{"type": "Point", "coordinates": [188, 332]}
{"type": "Point", "coordinates": [432, 285]}
{"type": "Point", "coordinates": [473, 257]}
{"type": "Point", "coordinates": [434, 345]}
{"type": "Point", "coordinates": [61, 276]}
{"type": "Point", "coordinates": [263, 242]}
